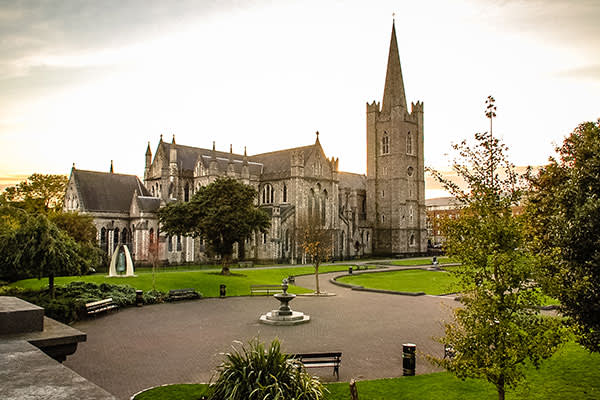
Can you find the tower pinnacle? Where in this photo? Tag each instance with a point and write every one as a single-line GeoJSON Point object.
{"type": "Point", "coordinates": [393, 93]}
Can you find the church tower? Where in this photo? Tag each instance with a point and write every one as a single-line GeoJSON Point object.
{"type": "Point", "coordinates": [395, 167]}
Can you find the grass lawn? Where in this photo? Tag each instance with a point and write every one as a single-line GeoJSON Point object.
{"type": "Point", "coordinates": [205, 282]}
{"type": "Point", "coordinates": [421, 261]}
{"type": "Point", "coordinates": [174, 392]}
{"type": "Point", "coordinates": [572, 373]}
{"type": "Point", "coordinates": [413, 280]}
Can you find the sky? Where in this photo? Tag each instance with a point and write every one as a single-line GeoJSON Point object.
{"type": "Point", "coordinates": [87, 82]}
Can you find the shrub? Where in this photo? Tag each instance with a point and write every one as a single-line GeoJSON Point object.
{"type": "Point", "coordinates": [255, 373]}
{"type": "Point", "coordinates": [70, 300]}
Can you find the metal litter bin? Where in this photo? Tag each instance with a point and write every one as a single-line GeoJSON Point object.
{"type": "Point", "coordinates": [222, 290]}
{"type": "Point", "coordinates": [408, 359]}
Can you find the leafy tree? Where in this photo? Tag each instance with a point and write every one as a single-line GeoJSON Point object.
{"type": "Point", "coordinates": [223, 213]}
{"type": "Point", "coordinates": [31, 245]}
{"type": "Point", "coordinates": [256, 373]}
{"type": "Point", "coordinates": [316, 241]}
{"type": "Point", "coordinates": [563, 220]}
{"type": "Point", "coordinates": [498, 328]}
{"type": "Point", "coordinates": [40, 192]}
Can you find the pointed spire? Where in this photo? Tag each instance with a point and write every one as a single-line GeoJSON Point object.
{"type": "Point", "coordinates": [160, 138]}
{"type": "Point", "coordinates": [230, 154]}
{"type": "Point", "coordinates": [148, 151]}
{"type": "Point", "coordinates": [111, 167]}
{"type": "Point", "coordinates": [73, 165]}
{"type": "Point", "coordinates": [393, 93]}
{"type": "Point", "coordinates": [317, 141]}
{"type": "Point", "coordinates": [245, 160]}
{"type": "Point", "coordinates": [213, 145]}
{"type": "Point", "coordinates": [173, 141]}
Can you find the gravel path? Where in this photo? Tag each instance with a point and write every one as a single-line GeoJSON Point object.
{"type": "Point", "coordinates": [183, 342]}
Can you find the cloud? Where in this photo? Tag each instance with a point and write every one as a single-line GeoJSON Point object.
{"type": "Point", "coordinates": [591, 72]}
{"type": "Point", "coordinates": [31, 30]}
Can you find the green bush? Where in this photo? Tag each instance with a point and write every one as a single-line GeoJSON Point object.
{"type": "Point", "coordinates": [253, 373]}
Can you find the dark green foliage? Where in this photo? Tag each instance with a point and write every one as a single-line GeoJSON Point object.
{"type": "Point", "coordinates": [563, 218]}
{"type": "Point", "coordinates": [69, 302]}
{"type": "Point", "coordinates": [222, 213]}
{"type": "Point", "coordinates": [256, 373]}
{"type": "Point", "coordinates": [175, 392]}
{"type": "Point", "coordinates": [499, 328]}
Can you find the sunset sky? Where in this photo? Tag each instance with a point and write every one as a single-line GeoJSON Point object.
{"type": "Point", "coordinates": [87, 82]}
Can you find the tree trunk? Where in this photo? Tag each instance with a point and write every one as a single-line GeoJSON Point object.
{"type": "Point", "coordinates": [353, 390]}
{"type": "Point", "coordinates": [501, 391]}
{"type": "Point", "coordinates": [51, 285]}
{"type": "Point", "coordinates": [225, 265]}
{"type": "Point", "coordinates": [318, 291]}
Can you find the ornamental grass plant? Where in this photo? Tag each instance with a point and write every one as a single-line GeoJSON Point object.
{"type": "Point", "coordinates": [255, 373]}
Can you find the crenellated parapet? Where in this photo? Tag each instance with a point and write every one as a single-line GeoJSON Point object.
{"type": "Point", "coordinates": [373, 107]}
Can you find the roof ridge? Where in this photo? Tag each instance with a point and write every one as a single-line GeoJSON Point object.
{"type": "Point", "coordinates": [105, 173]}
{"type": "Point", "coordinates": [283, 150]}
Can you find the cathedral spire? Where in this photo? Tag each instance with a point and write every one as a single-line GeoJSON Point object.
{"type": "Point", "coordinates": [393, 93]}
{"type": "Point", "coordinates": [111, 167]}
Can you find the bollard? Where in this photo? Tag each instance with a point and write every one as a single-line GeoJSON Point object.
{"type": "Point", "coordinates": [222, 290]}
{"type": "Point", "coordinates": [408, 359]}
{"type": "Point", "coordinates": [139, 298]}
{"type": "Point", "coordinates": [350, 270]}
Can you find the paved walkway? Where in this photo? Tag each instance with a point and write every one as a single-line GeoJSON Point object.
{"type": "Point", "coordinates": [183, 342]}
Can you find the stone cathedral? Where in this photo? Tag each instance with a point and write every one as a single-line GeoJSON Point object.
{"type": "Point", "coordinates": [382, 213]}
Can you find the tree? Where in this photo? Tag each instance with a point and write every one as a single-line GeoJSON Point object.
{"type": "Point", "coordinates": [33, 246]}
{"type": "Point", "coordinates": [40, 192]}
{"type": "Point", "coordinates": [256, 373]}
{"type": "Point", "coordinates": [223, 213]}
{"type": "Point", "coordinates": [316, 241]}
{"type": "Point", "coordinates": [563, 220]}
{"type": "Point", "coordinates": [498, 328]}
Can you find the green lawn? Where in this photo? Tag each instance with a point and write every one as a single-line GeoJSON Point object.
{"type": "Point", "coordinates": [205, 282]}
{"type": "Point", "coordinates": [572, 373]}
{"type": "Point", "coordinates": [421, 261]}
{"type": "Point", "coordinates": [413, 280]}
{"type": "Point", "coordinates": [174, 392]}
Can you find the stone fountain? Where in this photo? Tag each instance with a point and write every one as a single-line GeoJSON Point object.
{"type": "Point", "coordinates": [284, 315]}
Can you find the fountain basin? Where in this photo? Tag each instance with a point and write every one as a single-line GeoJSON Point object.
{"type": "Point", "coordinates": [276, 318]}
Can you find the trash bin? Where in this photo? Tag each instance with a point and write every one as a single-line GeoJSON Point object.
{"type": "Point", "coordinates": [222, 290]}
{"type": "Point", "coordinates": [350, 270]}
{"type": "Point", "coordinates": [139, 298]}
{"type": "Point", "coordinates": [408, 359]}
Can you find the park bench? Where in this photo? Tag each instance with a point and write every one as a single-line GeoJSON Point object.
{"type": "Point", "coordinates": [320, 360]}
{"type": "Point", "coordinates": [183, 294]}
{"type": "Point", "coordinates": [268, 289]}
{"type": "Point", "coordinates": [246, 264]}
{"type": "Point", "coordinates": [99, 306]}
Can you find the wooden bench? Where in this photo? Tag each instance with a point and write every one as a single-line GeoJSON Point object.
{"type": "Point", "coordinates": [183, 294]}
{"type": "Point", "coordinates": [320, 360]}
{"type": "Point", "coordinates": [268, 289]}
{"type": "Point", "coordinates": [99, 306]}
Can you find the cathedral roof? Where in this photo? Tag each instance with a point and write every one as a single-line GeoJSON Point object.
{"type": "Point", "coordinates": [188, 156]}
{"type": "Point", "coordinates": [148, 203]}
{"type": "Point", "coordinates": [352, 181]}
{"type": "Point", "coordinates": [107, 192]}
{"type": "Point", "coordinates": [277, 164]}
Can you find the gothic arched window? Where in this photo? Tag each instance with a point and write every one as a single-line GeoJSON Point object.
{"type": "Point", "coordinates": [124, 236]}
{"type": "Point", "coordinates": [186, 192]}
{"type": "Point", "coordinates": [411, 241]}
{"type": "Point", "coordinates": [323, 208]}
{"type": "Point", "coordinates": [169, 243]}
{"type": "Point", "coordinates": [409, 143]}
{"type": "Point", "coordinates": [115, 238]}
{"type": "Point", "coordinates": [285, 194]}
{"type": "Point", "coordinates": [267, 194]}
{"type": "Point", "coordinates": [178, 242]}
{"type": "Point", "coordinates": [385, 144]}
{"type": "Point", "coordinates": [103, 239]}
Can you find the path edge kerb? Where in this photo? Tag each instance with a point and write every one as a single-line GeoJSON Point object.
{"type": "Point", "coordinates": [364, 289]}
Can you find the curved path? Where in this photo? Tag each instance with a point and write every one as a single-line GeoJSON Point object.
{"type": "Point", "coordinates": [182, 342]}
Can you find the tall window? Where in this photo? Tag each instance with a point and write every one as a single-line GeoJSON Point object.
{"type": "Point", "coordinates": [324, 208]}
{"type": "Point", "coordinates": [385, 144]}
{"type": "Point", "coordinates": [186, 192]}
{"type": "Point", "coordinates": [169, 243]}
{"type": "Point", "coordinates": [124, 236]}
{"type": "Point", "coordinates": [410, 214]}
{"type": "Point", "coordinates": [411, 241]}
{"type": "Point", "coordinates": [285, 194]}
{"type": "Point", "coordinates": [115, 238]}
{"type": "Point", "coordinates": [409, 143]}
{"type": "Point", "coordinates": [151, 235]}
{"type": "Point", "coordinates": [264, 238]}
{"type": "Point", "coordinates": [103, 239]}
{"type": "Point", "coordinates": [178, 242]}
{"type": "Point", "coordinates": [267, 194]}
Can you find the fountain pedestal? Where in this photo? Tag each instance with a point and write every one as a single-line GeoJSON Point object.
{"type": "Point", "coordinates": [284, 315]}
